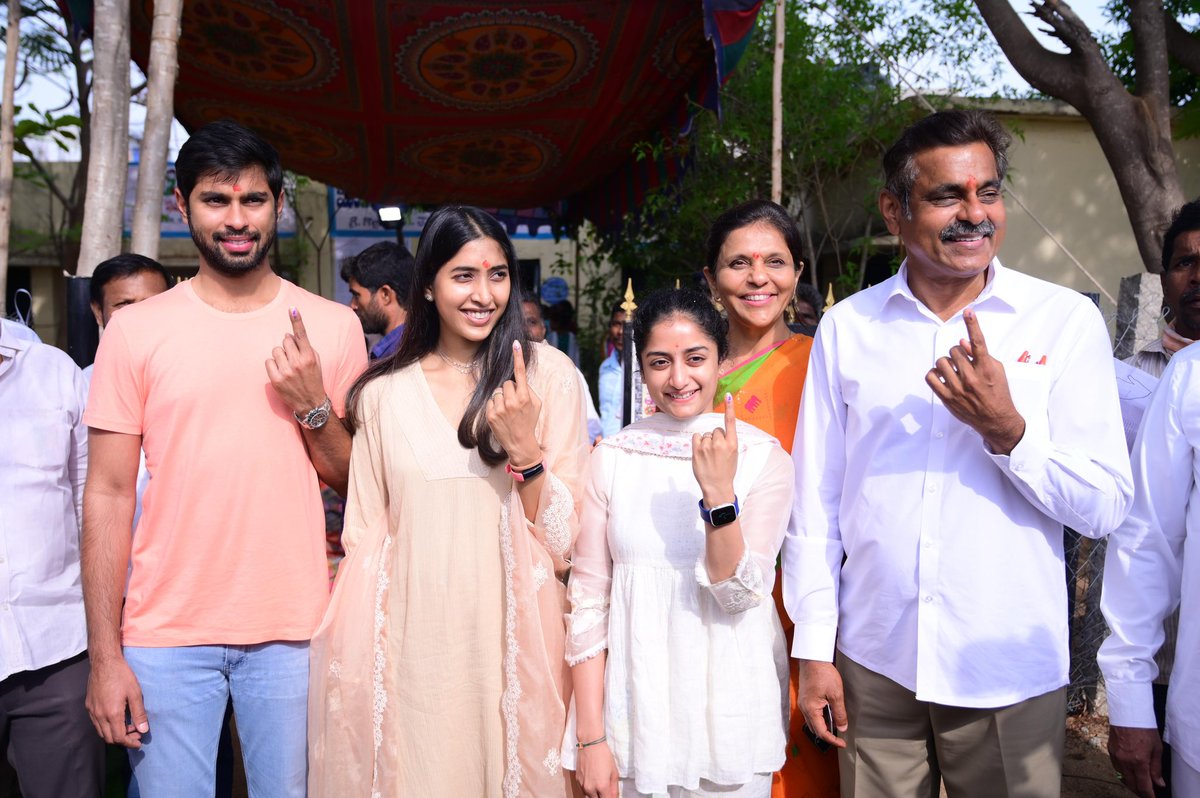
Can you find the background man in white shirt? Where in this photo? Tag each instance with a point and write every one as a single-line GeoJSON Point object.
{"type": "Point", "coordinates": [44, 729]}
{"type": "Point", "coordinates": [1181, 305]}
{"type": "Point", "coordinates": [943, 465]}
{"type": "Point", "coordinates": [1145, 570]}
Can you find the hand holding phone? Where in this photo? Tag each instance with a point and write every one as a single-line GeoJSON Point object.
{"type": "Point", "coordinates": [822, 745]}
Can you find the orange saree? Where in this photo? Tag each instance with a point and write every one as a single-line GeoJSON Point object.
{"type": "Point", "coordinates": [766, 392]}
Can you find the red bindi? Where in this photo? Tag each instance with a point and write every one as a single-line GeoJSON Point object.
{"type": "Point", "coordinates": [236, 187]}
{"type": "Point", "coordinates": [486, 265]}
{"type": "Point", "coordinates": [756, 256]}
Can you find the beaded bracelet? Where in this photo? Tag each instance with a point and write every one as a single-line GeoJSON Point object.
{"type": "Point", "coordinates": [601, 739]}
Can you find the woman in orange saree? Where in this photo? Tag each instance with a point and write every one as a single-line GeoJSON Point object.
{"type": "Point", "coordinates": [752, 267]}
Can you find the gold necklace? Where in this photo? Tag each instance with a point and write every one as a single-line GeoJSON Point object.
{"type": "Point", "coordinates": [461, 368]}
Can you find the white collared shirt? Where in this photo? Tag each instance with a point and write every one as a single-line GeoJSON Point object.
{"type": "Point", "coordinates": [954, 583]}
{"type": "Point", "coordinates": [43, 462]}
{"type": "Point", "coordinates": [1153, 565]}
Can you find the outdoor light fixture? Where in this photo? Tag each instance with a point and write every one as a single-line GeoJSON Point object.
{"type": "Point", "coordinates": [390, 216]}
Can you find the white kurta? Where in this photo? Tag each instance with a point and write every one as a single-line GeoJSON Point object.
{"type": "Point", "coordinates": [695, 684]}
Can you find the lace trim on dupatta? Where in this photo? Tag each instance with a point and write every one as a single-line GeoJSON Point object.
{"type": "Point", "coordinates": [512, 682]}
{"type": "Point", "coordinates": [380, 694]}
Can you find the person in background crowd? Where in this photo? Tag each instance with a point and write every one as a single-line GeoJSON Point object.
{"type": "Point", "coordinates": [611, 381]}
{"type": "Point", "coordinates": [561, 335]}
{"type": "Point", "coordinates": [124, 280]}
{"type": "Point", "coordinates": [535, 328]}
{"type": "Point", "coordinates": [379, 279]}
{"type": "Point", "coordinates": [927, 538]}
{"type": "Point", "coordinates": [753, 265]}
{"type": "Point", "coordinates": [44, 728]}
{"type": "Point", "coordinates": [439, 669]}
{"type": "Point", "coordinates": [232, 383]}
{"type": "Point", "coordinates": [1138, 751]}
{"type": "Point", "coordinates": [807, 305]}
{"type": "Point", "coordinates": [1180, 280]}
{"type": "Point", "coordinates": [677, 655]}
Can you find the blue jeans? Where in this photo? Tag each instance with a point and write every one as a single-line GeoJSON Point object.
{"type": "Point", "coordinates": [186, 690]}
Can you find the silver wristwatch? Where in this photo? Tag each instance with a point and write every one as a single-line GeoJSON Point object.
{"type": "Point", "coordinates": [315, 418]}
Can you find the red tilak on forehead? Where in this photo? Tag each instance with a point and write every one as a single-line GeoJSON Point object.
{"type": "Point", "coordinates": [486, 265]}
{"type": "Point", "coordinates": [972, 184]}
{"type": "Point", "coordinates": [236, 187]}
{"type": "Point", "coordinates": [756, 256]}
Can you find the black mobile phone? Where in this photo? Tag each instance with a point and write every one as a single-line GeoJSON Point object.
{"type": "Point", "coordinates": [822, 745]}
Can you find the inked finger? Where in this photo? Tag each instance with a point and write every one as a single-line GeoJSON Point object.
{"type": "Point", "coordinates": [518, 365]}
{"type": "Point", "coordinates": [975, 333]}
{"type": "Point", "coordinates": [730, 419]}
{"type": "Point", "coordinates": [298, 328]}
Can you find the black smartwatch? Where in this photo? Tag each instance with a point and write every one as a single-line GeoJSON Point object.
{"type": "Point", "coordinates": [720, 515]}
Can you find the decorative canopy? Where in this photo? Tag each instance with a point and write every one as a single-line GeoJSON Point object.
{"type": "Point", "coordinates": [428, 101]}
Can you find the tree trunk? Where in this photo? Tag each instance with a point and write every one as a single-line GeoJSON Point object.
{"type": "Point", "coordinates": [12, 42]}
{"type": "Point", "coordinates": [1134, 130]}
{"type": "Point", "coordinates": [109, 161]}
{"type": "Point", "coordinates": [160, 109]}
{"type": "Point", "coordinates": [777, 103]}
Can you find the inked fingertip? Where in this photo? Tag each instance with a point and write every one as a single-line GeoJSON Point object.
{"type": "Point", "coordinates": [728, 398]}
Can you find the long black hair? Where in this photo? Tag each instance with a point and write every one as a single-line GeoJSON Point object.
{"type": "Point", "coordinates": [448, 230]}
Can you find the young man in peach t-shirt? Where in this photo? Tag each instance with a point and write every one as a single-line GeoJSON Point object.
{"type": "Point", "coordinates": [233, 384]}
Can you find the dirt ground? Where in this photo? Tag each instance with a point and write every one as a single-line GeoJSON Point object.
{"type": "Point", "coordinates": [1087, 773]}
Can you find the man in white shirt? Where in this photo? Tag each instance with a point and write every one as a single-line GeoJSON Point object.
{"type": "Point", "coordinates": [44, 728]}
{"type": "Point", "coordinates": [942, 466]}
{"type": "Point", "coordinates": [1146, 571]}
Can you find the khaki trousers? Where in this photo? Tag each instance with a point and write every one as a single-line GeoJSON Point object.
{"type": "Point", "coordinates": [899, 746]}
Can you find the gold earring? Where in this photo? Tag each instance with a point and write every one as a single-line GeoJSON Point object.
{"type": "Point", "coordinates": [716, 301]}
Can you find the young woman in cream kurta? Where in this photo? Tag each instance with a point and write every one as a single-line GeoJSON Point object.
{"type": "Point", "coordinates": [678, 661]}
{"type": "Point", "coordinates": [439, 667]}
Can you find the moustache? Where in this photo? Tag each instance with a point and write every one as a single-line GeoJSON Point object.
{"type": "Point", "coordinates": [1189, 295]}
{"type": "Point", "coordinates": [961, 229]}
{"type": "Point", "coordinates": [243, 233]}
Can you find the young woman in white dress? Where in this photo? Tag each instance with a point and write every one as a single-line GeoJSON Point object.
{"type": "Point", "coordinates": [677, 653]}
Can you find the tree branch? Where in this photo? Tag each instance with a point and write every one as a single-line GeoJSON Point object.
{"type": "Point", "coordinates": [1182, 45]}
{"type": "Point", "coordinates": [1046, 71]}
{"type": "Point", "coordinates": [1151, 72]}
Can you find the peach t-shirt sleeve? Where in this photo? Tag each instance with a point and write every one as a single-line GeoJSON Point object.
{"type": "Point", "coordinates": [116, 398]}
{"type": "Point", "coordinates": [351, 363]}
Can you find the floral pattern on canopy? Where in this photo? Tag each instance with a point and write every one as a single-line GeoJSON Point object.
{"type": "Point", "coordinates": [427, 101]}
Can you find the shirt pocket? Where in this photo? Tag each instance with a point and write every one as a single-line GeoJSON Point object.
{"type": "Point", "coordinates": [35, 439]}
{"type": "Point", "coordinates": [1029, 385]}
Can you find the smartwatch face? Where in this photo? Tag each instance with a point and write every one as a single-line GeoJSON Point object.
{"type": "Point", "coordinates": [725, 514]}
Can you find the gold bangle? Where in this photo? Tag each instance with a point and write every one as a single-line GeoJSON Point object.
{"type": "Point", "coordinates": [597, 741]}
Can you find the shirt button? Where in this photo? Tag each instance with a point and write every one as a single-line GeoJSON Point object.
{"type": "Point", "coordinates": [929, 544]}
{"type": "Point", "coordinates": [932, 488]}
{"type": "Point", "coordinates": [4, 606]}
{"type": "Point", "coordinates": [939, 434]}
{"type": "Point", "coordinates": [928, 599]}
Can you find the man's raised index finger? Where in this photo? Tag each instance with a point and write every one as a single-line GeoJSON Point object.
{"type": "Point", "coordinates": [974, 334]}
{"type": "Point", "coordinates": [298, 326]}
